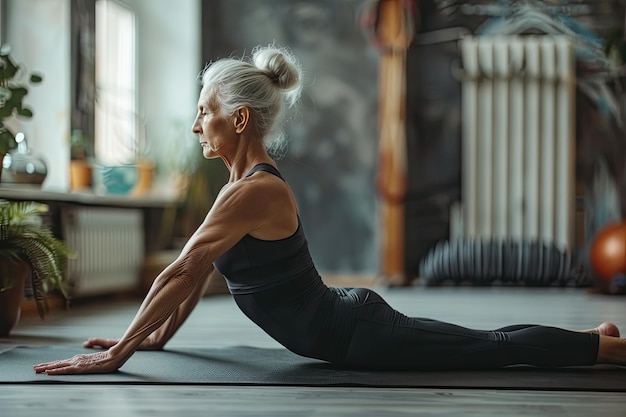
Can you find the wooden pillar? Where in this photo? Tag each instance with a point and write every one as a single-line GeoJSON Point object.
{"type": "Point", "coordinates": [395, 36]}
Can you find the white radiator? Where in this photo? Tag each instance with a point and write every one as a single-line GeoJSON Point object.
{"type": "Point", "coordinates": [110, 249]}
{"type": "Point", "coordinates": [518, 140]}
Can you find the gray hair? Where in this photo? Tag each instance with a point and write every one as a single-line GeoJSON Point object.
{"type": "Point", "coordinates": [263, 83]}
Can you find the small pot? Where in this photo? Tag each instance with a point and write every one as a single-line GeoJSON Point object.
{"type": "Point", "coordinates": [80, 175]}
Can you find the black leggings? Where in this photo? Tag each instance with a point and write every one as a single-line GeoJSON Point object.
{"type": "Point", "coordinates": [399, 342]}
{"type": "Point", "coordinates": [356, 328]}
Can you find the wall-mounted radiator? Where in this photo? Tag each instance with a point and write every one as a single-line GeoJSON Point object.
{"type": "Point", "coordinates": [518, 140]}
{"type": "Point", "coordinates": [110, 247]}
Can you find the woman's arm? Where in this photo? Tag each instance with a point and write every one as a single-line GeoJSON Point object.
{"type": "Point", "coordinates": [163, 334]}
{"type": "Point", "coordinates": [176, 288]}
{"type": "Point", "coordinates": [158, 339]}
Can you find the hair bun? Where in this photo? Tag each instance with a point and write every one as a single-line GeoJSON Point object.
{"type": "Point", "coordinates": [279, 65]}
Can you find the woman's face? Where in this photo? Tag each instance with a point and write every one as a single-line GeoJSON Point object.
{"type": "Point", "coordinates": [215, 131]}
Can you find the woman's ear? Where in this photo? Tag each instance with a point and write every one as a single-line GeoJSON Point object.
{"type": "Point", "coordinates": [242, 116]}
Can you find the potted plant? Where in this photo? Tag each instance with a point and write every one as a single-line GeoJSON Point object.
{"type": "Point", "coordinates": [32, 261]}
{"type": "Point", "coordinates": [81, 171]}
{"type": "Point", "coordinates": [14, 82]}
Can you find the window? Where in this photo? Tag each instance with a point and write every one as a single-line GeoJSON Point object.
{"type": "Point", "coordinates": [116, 127]}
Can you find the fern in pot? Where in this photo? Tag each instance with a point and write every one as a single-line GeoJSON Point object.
{"type": "Point", "coordinates": [32, 261]}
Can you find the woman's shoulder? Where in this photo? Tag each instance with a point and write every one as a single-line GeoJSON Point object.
{"type": "Point", "coordinates": [261, 188]}
{"type": "Point", "coordinates": [264, 201]}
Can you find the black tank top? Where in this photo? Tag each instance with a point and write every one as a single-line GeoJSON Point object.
{"type": "Point", "coordinates": [255, 265]}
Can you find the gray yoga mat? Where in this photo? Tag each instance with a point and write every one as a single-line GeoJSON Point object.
{"type": "Point", "coordinates": [279, 367]}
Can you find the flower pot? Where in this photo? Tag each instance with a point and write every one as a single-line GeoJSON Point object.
{"type": "Point", "coordinates": [115, 179]}
{"type": "Point", "coordinates": [145, 172]}
{"type": "Point", "coordinates": [80, 175]}
{"type": "Point", "coordinates": [11, 298]}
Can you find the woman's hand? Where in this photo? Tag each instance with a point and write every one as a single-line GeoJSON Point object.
{"type": "Point", "coordinates": [100, 343]}
{"type": "Point", "coordinates": [103, 343]}
{"type": "Point", "coordinates": [92, 363]}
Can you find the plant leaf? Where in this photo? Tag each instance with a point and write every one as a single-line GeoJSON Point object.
{"type": "Point", "coordinates": [23, 236]}
{"type": "Point", "coordinates": [7, 140]}
{"type": "Point", "coordinates": [10, 68]}
{"type": "Point", "coordinates": [18, 93]}
{"type": "Point", "coordinates": [7, 110]}
{"type": "Point", "coordinates": [25, 112]}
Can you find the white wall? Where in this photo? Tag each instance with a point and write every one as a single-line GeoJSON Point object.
{"type": "Point", "coordinates": [169, 49]}
{"type": "Point", "coordinates": [38, 32]}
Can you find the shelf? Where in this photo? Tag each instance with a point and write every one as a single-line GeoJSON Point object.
{"type": "Point", "coordinates": [27, 192]}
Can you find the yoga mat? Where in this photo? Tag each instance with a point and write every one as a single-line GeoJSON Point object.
{"type": "Point", "coordinates": [278, 367]}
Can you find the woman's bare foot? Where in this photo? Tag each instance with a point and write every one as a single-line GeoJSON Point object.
{"type": "Point", "coordinates": [605, 329]}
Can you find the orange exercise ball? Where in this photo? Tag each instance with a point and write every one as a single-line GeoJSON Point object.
{"type": "Point", "coordinates": [608, 251]}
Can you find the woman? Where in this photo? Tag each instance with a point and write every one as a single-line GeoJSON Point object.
{"type": "Point", "coordinates": [253, 235]}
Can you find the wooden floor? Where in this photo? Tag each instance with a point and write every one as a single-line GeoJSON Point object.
{"type": "Point", "coordinates": [217, 322]}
